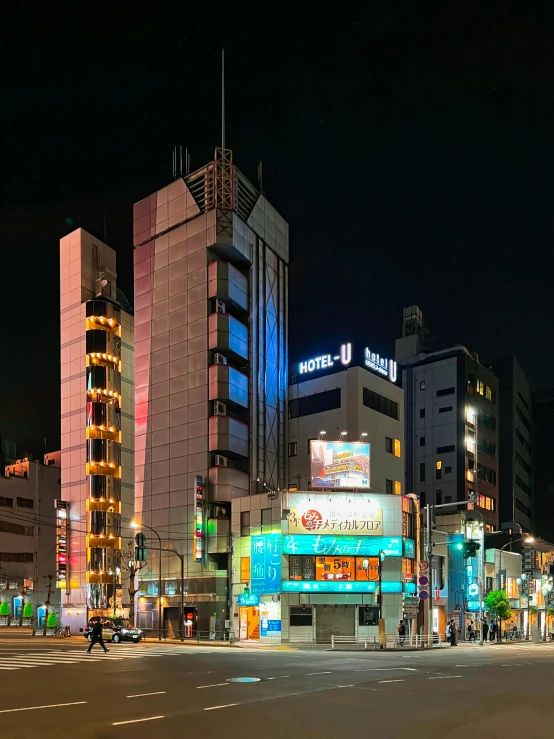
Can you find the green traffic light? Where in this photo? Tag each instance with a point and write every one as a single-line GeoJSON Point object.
{"type": "Point", "coordinates": [459, 546]}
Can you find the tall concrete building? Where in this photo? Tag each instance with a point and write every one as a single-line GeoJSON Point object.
{"type": "Point", "coordinates": [97, 424]}
{"type": "Point", "coordinates": [451, 422]}
{"type": "Point", "coordinates": [211, 258]}
{"type": "Point", "coordinates": [516, 483]}
{"type": "Point", "coordinates": [543, 462]}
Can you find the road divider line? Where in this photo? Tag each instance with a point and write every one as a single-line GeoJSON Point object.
{"type": "Point", "coordinates": [319, 673]}
{"type": "Point", "coordinates": [215, 685]}
{"type": "Point", "coordinates": [346, 686]}
{"type": "Point", "coordinates": [37, 708]}
{"type": "Point", "coordinates": [136, 720]}
{"type": "Point", "coordinates": [444, 677]}
{"type": "Point", "coordinates": [392, 681]}
{"type": "Point", "coordinates": [143, 695]}
{"type": "Point", "coordinates": [214, 708]}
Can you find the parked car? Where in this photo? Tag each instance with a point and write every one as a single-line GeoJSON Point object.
{"type": "Point", "coordinates": [114, 630]}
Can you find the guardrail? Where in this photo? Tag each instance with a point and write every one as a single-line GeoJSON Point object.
{"type": "Point", "coordinates": [170, 635]}
{"type": "Point", "coordinates": [390, 641]}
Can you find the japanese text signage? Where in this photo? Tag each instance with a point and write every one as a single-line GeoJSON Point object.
{"type": "Point", "coordinates": [198, 533]}
{"type": "Point", "coordinates": [265, 564]}
{"type": "Point", "coordinates": [62, 549]}
{"type": "Point", "coordinates": [344, 515]}
{"type": "Point", "coordinates": [349, 546]}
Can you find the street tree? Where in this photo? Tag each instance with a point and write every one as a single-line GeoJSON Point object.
{"type": "Point", "coordinates": [498, 605]}
{"type": "Point", "coordinates": [132, 567]}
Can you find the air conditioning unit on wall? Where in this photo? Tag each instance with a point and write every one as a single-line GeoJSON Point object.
{"type": "Point", "coordinates": [220, 409]}
{"type": "Point", "coordinates": [220, 461]}
{"type": "Point", "coordinates": [220, 359]}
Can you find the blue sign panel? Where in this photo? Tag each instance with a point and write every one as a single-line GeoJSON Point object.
{"type": "Point", "coordinates": [343, 545]}
{"type": "Point", "coordinates": [409, 548]}
{"type": "Point", "coordinates": [304, 586]}
{"type": "Point", "coordinates": [265, 564]}
{"type": "Point", "coordinates": [248, 600]}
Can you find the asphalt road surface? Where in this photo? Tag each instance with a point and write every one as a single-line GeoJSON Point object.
{"type": "Point", "coordinates": [53, 689]}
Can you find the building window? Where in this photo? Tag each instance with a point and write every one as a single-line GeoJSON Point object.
{"type": "Point", "coordinates": [245, 523]}
{"type": "Point", "coordinates": [448, 499]}
{"type": "Point", "coordinates": [422, 441]}
{"type": "Point", "coordinates": [487, 447]}
{"type": "Point", "coordinates": [438, 473]}
{"type": "Point", "coordinates": [445, 391]}
{"type": "Point", "coordinates": [488, 420]}
{"type": "Point", "coordinates": [445, 409]}
{"type": "Point", "coordinates": [245, 569]}
{"type": "Point", "coordinates": [6, 502]}
{"type": "Point", "coordinates": [389, 487]}
{"type": "Point", "coordinates": [480, 387]}
{"type": "Point", "coordinates": [293, 448]}
{"type": "Point", "coordinates": [16, 557]}
{"type": "Point", "coordinates": [422, 412]}
{"type": "Point", "coordinates": [519, 460]}
{"type": "Point", "coordinates": [446, 449]}
{"type": "Point", "coordinates": [448, 470]}
{"type": "Point", "coordinates": [379, 403]}
{"type": "Point", "coordinates": [422, 385]}
{"type": "Point", "coordinates": [25, 503]}
{"type": "Point", "coordinates": [438, 465]}
{"type": "Point", "coordinates": [523, 485]}
{"type": "Point", "coordinates": [266, 520]}
{"type": "Point", "coordinates": [486, 502]}
{"type": "Point", "coordinates": [438, 497]}
{"type": "Point", "coordinates": [301, 616]}
{"type": "Point", "coordinates": [397, 448]}
{"type": "Point", "coordinates": [7, 527]}
{"type": "Point", "coordinates": [422, 472]}
{"type": "Point", "coordinates": [523, 441]}
{"type": "Point", "coordinates": [523, 418]}
{"type": "Point", "coordinates": [523, 508]}
{"type": "Point", "coordinates": [388, 444]}
{"type": "Point", "coordinates": [397, 487]}
{"type": "Point", "coordinates": [488, 393]}
{"type": "Point", "coordinates": [316, 403]}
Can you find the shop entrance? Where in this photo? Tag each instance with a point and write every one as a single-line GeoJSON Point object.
{"type": "Point", "coordinates": [250, 622]}
{"type": "Point", "coordinates": [339, 620]}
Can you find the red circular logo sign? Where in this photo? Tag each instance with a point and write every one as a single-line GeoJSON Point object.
{"type": "Point", "coordinates": [312, 520]}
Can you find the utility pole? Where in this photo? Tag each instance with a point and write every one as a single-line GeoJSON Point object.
{"type": "Point", "coordinates": [47, 604]}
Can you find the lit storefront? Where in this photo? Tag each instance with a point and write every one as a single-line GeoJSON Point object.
{"type": "Point", "coordinates": [323, 564]}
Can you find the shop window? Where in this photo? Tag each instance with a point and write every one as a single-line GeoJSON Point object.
{"type": "Point", "coordinates": [301, 616]}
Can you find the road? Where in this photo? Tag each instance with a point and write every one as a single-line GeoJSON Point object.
{"type": "Point", "coordinates": [53, 689]}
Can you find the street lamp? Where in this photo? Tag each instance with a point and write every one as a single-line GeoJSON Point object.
{"type": "Point", "coordinates": [136, 525]}
{"type": "Point", "coordinates": [526, 539]}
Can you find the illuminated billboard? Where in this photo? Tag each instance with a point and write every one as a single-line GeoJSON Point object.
{"type": "Point", "coordinates": [338, 514]}
{"type": "Point", "coordinates": [340, 464]}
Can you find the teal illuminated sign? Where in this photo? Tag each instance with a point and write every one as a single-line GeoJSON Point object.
{"type": "Point", "coordinates": [248, 599]}
{"type": "Point", "coordinates": [370, 546]}
{"type": "Point", "coordinates": [313, 586]}
{"type": "Point", "coordinates": [409, 548]}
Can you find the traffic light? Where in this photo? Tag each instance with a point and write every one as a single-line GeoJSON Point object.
{"type": "Point", "coordinates": [470, 548]}
{"type": "Point", "coordinates": [140, 549]}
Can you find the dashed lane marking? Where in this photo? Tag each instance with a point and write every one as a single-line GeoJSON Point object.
{"type": "Point", "coordinates": [136, 720]}
{"type": "Point", "coordinates": [215, 685]}
{"type": "Point", "coordinates": [214, 708]}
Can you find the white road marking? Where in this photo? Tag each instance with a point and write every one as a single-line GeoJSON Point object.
{"type": "Point", "coordinates": [387, 669]}
{"type": "Point", "coordinates": [478, 664]}
{"type": "Point", "coordinates": [214, 708]}
{"type": "Point", "coordinates": [136, 720]}
{"type": "Point", "coordinates": [9, 668]}
{"type": "Point", "coordinates": [346, 686]}
{"type": "Point", "coordinates": [319, 673]}
{"type": "Point", "coordinates": [392, 681]}
{"type": "Point", "coordinates": [215, 685]}
{"type": "Point", "coordinates": [36, 708]}
{"type": "Point", "coordinates": [142, 695]}
{"type": "Point", "coordinates": [444, 677]}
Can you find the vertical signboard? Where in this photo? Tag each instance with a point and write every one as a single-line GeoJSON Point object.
{"type": "Point", "coordinates": [62, 544]}
{"type": "Point", "coordinates": [198, 533]}
{"type": "Point", "coordinates": [265, 564]}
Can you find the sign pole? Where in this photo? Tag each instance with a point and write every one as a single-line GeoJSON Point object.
{"type": "Point", "coordinates": [428, 553]}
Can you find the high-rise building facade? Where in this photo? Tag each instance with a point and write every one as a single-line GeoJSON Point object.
{"type": "Point", "coordinates": [451, 423]}
{"type": "Point", "coordinates": [543, 463]}
{"type": "Point", "coordinates": [97, 424]}
{"type": "Point", "coordinates": [516, 480]}
{"type": "Point", "coordinates": [211, 258]}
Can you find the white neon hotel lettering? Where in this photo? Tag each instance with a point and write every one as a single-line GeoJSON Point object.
{"type": "Point", "coordinates": [326, 360]}
{"type": "Point", "coordinates": [379, 364]}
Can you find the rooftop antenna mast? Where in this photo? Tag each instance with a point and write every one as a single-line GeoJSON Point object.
{"type": "Point", "coordinates": [223, 99]}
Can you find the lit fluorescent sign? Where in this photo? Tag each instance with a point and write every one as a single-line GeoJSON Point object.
{"type": "Point", "coordinates": [330, 546]}
{"type": "Point", "coordinates": [340, 514]}
{"type": "Point", "coordinates": [62, 510]}
{"type": "Point", "coordinates": [198, 538]}
{"type": "Point", "coordinates": [385, 367]}
{"type": "Point", "coordinates": [303, 586]}
{"type": "Point", "coordinates": [327, 360]}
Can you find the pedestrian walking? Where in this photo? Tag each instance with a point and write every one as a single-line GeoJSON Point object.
{"type": "Point", "coordinates": [492, 631]}
{"type": "Point", "coordinates": [454, 633]}
{"type": "Point", "coordinates": [471, 632]}
{"type": "Point", "coordinates": [96, 638]}
{"type": "Point", "coordinates": [401, 631]}
{"type": "Point", "coordinates": [485, 629]}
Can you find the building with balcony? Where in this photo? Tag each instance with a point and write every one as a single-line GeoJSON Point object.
{"type": "Point", "coordinates": [97, 424]}
{"type": "Point", "coordinates": [211, 256]}
{"type": "Point", "coordinates": [451, 423]}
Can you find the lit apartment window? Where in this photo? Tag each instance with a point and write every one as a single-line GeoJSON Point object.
{"type": "Point", "coordinates": [245, 569]}
{"type": "Point", "coordinates": [293, 448]}
{"type": "Point", "coordinates": [470, 475]}
{"type": "Point", "coordinates": [439, 465]}
{"type": "Point", "coordinates": [397, 451]}
{"type": "Point", "coordinates": [397, 487]}
{"type": "Point", "coordinates": [480, 387]}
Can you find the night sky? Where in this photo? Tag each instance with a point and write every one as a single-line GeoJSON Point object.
{"type": "Point", "coordinates": [411, 152]}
